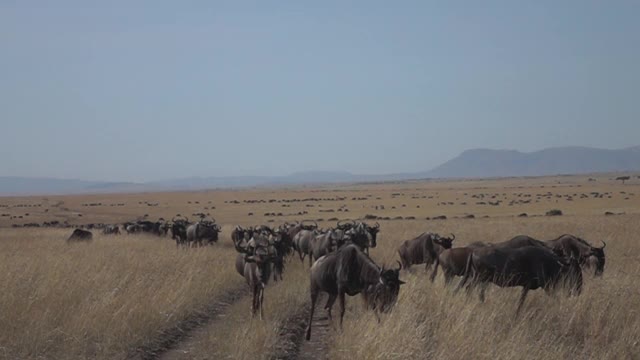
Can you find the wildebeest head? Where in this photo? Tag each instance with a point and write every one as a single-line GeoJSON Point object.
{"type": "Point", "coordinates": [345, 225]}
{"type": "Point", "coordinates": [305, 225]}
{"type": "Point", "coordinates": [445, 242]}
{"type": "Point", "coordinates": [384, 295]}
{"type": "Point", "coordinates": [359, 234]}
{"type": "Point", "coordinates": [373, 230]}
{"type": "Point", "coordinates": [597, 259]}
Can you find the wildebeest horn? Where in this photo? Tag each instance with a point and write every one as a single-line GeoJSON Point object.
{"type": "Point", "coordinates": [213, 220]}
{"type": "Point", "coordinates": [399, 265]}
{"type": "Point", "coordinates": [453, 236]}
{"type": "Point", "coordinates": [377, 225]}
{"type": "Point", "coordinates": [604, 244]}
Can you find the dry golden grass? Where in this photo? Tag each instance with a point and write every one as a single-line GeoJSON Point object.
{"type": "Point", "coordinates": [99, 300]}
{"type": "Point", "coordinates": [242, 337]}
{"type": "Point", "coordinates": [107, 298]}
{"type": "Point", "coordinates": [429, 321]}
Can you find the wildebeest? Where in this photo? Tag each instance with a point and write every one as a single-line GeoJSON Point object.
{"type": "Point", "coordinates": [282, 247]}
{"type": "Point", "coordinates": [179, 230]}
{"type": "Point", "coordinates": [350, 271]}
{"type": "Point", "coordinates": [294, 233]}
{"type": "Point", "coordinates": [570, 245]}
{"type": "Point", "coordinates": [80, 235]}
{"type": "Point", "coordinates": [255, 266]}
{"type": "Point", "coordinates": [302, 243]}
{"type": "Point", "coordinates": [531, 267]}
{"type": "Point", "coordinates": [111, 230]}
{"type": "Point", "coordinates": [373, 231]}
{"type": "Point", "coordinates": [202, 230]}
{"type": "Point", "coordinates": [285, 239]}
{"type": "Point", "coordinates": [423, 249]}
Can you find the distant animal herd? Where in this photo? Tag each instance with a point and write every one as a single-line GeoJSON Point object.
{"type": "Point", "coordinates": [340, 264]}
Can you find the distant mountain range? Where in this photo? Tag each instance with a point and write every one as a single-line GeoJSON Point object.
{"type": "Point", "coordinates": [552, 161]}
{"type": "Point", "coordinates": [477, 163]}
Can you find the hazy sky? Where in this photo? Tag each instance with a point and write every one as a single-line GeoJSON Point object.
{"type": "Point", "coordinates": [147, 90]}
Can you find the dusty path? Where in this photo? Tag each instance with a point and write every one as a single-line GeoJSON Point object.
{"type": "Point", "coordinates": [175, 343]}
{"type": "Point", "coordinates": [292, 344]}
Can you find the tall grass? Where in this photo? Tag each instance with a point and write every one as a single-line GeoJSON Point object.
{"type": "Point", "coordinates": [107, 298]}
{"type": "Point", "coordinates": [99, 300]}
{"type": "Point", "coordinates": [430, 322]}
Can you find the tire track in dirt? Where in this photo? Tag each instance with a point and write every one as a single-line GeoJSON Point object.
{"type": "Point", "coordinates": [169, 344]}
{"type": "Point", "coordinates": [292, 344]}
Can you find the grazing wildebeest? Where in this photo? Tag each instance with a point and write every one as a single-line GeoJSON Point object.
{"type": "Point", "coordinates": [80, 235]}
{"type": "Point", "coordinates": [424, 249]}
{"type": "Point", "coordinates": [531, 267]}
{"type": "Point", "coordinates": [570, 245]}
{"type": "Point", "coordinates": [202, 230]}
{"type": "Point", "coordinates": [350, 271]}
{"type": "Point", "coordinates": [111, 230]}
{"type": "Point", "coordinates": [254, 263]}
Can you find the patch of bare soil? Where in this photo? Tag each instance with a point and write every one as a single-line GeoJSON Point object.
{"type": "Point", "coordinates": [293, 344]}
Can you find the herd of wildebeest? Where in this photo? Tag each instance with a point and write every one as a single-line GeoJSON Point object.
{"type": "Point", "coordinates": [340, 264]}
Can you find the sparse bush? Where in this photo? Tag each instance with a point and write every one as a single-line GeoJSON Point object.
{"type": "Point", "coordinates": [554, 212]}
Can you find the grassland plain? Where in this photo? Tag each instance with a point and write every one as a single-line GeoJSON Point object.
{"type": "Point", "coordinates": [118, 294]}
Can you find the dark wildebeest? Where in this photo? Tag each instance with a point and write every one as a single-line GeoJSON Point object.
{"type": "Point", "coordinates": [373, 231]}
{"type": "Point", "coordinates": [531, 267]}
{"type": "Point", "coordinates": [111, 230]}
{"type": "Point", "coordinates": [284, 236]}
{"type": "Point", "coordinates": [423, 249]}
{"type": "Point", "coordinates": [453, 261]}
{"type": "Point", "coordinates": [256, 269]}
{"type": "Point", "coordinates": [282, 248]}
{"type": "Point", "coordinates": [202, 230]}
{"type": "Point", "coordinates": [80, 235]}
{"type": "Point", "coordinates": [569, 245]}
{"type": "Point", "coordinates": [350, 271]}
{"type": "Point", "coordinates": [179, 230]}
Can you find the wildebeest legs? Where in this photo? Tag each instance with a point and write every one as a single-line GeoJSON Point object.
{"type": "Point", "coordinates": [314, 298]}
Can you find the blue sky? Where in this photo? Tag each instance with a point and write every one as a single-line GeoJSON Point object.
{"type": "Point", "coordinates": [152, 90]}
